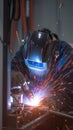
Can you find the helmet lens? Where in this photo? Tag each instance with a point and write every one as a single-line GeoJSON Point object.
{"type": "Point", "coordinates": [41, 66]}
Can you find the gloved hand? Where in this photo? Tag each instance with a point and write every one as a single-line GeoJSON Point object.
{"type": "Point", "coordinates": [17, 78]}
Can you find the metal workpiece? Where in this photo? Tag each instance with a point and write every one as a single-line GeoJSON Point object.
{"type": "Point", "coordinates": [45, 117]}
{"type": "Point", "coordinates": [39, 118]}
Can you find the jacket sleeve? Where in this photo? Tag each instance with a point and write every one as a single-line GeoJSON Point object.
{"type": "Point", "coordinates": [63, 78]}
{"type": "Point", "coordinates": [60, 79]}
{"type": "Point", "coordinates": [17, 63]}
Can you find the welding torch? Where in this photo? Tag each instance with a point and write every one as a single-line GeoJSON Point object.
{"type": "Point", "coordinates": [26, 90]}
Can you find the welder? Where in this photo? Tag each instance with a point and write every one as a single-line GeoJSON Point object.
{"type": "Point", "coordinates": [45, 59]}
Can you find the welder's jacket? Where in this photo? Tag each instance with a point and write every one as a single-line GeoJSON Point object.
{"type": "Point", "coordinates": [59, 78]}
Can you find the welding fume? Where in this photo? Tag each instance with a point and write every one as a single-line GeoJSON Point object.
{"type": "Point", "coordinates": [42, 72]}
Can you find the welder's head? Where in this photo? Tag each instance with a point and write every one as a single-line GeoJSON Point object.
{"type": "Point", "coordinates": [35, 52]}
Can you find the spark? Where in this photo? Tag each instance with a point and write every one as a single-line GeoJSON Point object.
{"type": "Point", "coordinates": [36, 99]}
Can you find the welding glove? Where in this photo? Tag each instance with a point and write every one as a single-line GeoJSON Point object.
{"type": "Point", "coordinates": [17, 78]}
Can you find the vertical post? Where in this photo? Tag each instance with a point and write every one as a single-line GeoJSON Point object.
{"type": "Point", "coordinates": [6, 35]}
{"type": "Point", "coordinates": [1, 59]}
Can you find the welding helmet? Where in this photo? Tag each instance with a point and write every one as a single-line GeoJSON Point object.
{"type": "Point", "coordinates": [35, 52]}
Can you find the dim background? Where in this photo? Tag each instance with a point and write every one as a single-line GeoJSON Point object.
{"type": "Point", "coordinates": [56, 15]}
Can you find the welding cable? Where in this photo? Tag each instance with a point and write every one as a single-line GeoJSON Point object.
{"type": "Point", "coordinates": [12, 9]}
{"type": "Point", "coordinates": [13, 36]}
{"type": "Point", "coordinates": [15, 16]}
{"type": "Point", "coordinates": [31, 16]}
{"type": "Point", "coordinates": [23, 16]}
{"type": "Point", "coordinates": [14, 6]}
{"type": "Point", "coordinates": [17, 10]}
{"type": "Point", "coordinates": [28, 14]}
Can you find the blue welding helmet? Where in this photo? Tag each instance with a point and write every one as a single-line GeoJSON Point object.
{"type": "Point", "coordinates": [35, 49]}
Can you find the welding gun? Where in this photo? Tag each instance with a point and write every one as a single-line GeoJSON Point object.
{"type": "Point", "coordinates": [26, 90]}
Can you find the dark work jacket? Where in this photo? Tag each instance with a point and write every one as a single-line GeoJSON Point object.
{"type": "Point", "coordinates": [59, 80]}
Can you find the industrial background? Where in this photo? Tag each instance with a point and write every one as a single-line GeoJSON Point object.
{"type": "Point", "coordinates": [57, 15]}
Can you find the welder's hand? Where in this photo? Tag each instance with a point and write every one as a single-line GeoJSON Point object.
{"type": "Point", "coordinates": [17, 78]}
